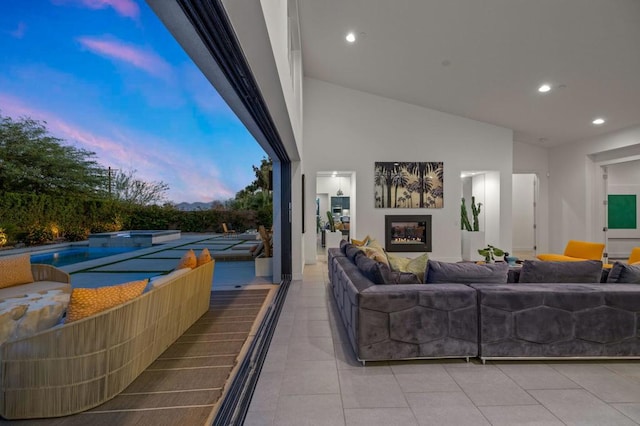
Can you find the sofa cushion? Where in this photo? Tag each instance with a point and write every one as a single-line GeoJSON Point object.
{"type": "Point", "coordinates": [160, 280]}
{"type": "Point", "coordinates": [623, 273]}
{"type": "Point", "coordinates": [352, 251]}
{"type": "Point", "coordinates": [586, 271]}
{"type": "Point", "coordinates": [16, 270]}
{"type": "Point", "coordinates": [34, 287]}
{"type": "Point", "coordinates": [188, 260]}
{"type": "Point", "coordinates": [86, 302]}
{"type": "Point", "coordinates": [204, 257]}
{"type": "Point", "coordinates": [370, 269]}
{"type": "Point", "coordinates": [466, 273]}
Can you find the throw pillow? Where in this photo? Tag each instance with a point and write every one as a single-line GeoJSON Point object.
{"type": "Point", "coordinates": [466, 273]}
{"type": "Point", "coordinates": [623, 273]}
{"type": "Point", "coordinates": [360, 243]}
{"type": "Point", "coordinates": [586, 271]}
{"type": "Point", "coordinates": [416, 266]}
{"type": "Point", "coordinates": [90, 301]}
{"type": "Point", "coordinates": [376, 254]}
{"type": "Point", "coordinates": [204, 257]}
{"type": "Point", "coordinates": [398, 263]}
{"type": "Point", "coordinates": [188, 260]}
{"type": "Point", "coordinates": [370, 269]}
{"type": "Point", "coordinates": [392, 277]}
{"type": "Point", "coordinates": [16, 270]}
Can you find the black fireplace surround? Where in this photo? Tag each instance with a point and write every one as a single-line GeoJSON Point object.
{"type": "Point", "coordinates": [407, 233]}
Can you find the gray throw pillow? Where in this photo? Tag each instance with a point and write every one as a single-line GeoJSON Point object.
{"type": "Point", "coordinates": [466, 273]}
{"type": "Point", "coordinates": [623, 273]}
{"type": "Point", "coordinates": [369, 269]}
{"type": "Point", "coordinates": [352, 251]}
{"type": "Point", "coordinates": [588, 271]}
{"type": "Point", "coordinates": [343, 246]}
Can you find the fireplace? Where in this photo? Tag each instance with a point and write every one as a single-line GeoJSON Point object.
{"type": "Point", "coordinates": [408, 233]}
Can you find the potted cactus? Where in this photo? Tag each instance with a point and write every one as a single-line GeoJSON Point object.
{"type": "Point", "coordinates": [472, 237]}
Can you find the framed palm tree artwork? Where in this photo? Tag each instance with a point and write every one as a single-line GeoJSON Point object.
{"type": "Point", "coordinates": [409, 185]}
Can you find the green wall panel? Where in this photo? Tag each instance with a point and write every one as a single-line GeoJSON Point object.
{"type": "Point", "coordinates": [622, 212]}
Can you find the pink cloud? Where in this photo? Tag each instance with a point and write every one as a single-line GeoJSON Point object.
{"type": "Point", "coordinates": [20, 31]}
{"type": "Point", "coordinates": [190, 177]}
{"type": "Point", "coordinates": [126, 8]}
{"type": "Point", "coordinates": [139, 58]}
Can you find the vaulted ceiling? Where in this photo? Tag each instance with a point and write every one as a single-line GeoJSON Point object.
{"type": "Point", "coordinates": [485, 59]}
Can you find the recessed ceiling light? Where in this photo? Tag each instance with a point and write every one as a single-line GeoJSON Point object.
{"type": "Point", "coordinates": [351, 37]}
{"type": "Point", "coordinates": [598, 121]}
{"type": "Point", "coordinates": [544, 88]}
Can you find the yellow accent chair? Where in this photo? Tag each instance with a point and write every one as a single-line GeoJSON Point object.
{"type": "Point", "coordinates": [576, 251]}
{"type": "Point", "coordinates": [634, 257]}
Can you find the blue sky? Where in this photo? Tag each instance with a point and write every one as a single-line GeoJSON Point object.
{"type": "Point", "coordinates": [108, 77]}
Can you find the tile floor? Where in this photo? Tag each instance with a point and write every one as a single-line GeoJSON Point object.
{"type": "Point", "coordinates": [311, 377]}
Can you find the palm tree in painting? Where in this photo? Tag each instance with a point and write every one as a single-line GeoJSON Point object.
{"type": "Point", "coordinates": [387, 170]}
{"type": "Point", "coordinates": [379, 180]}
{"type": "Point", "coordinates": [399, 178]}
{"type": "Point", "coordinates": [406, 195]}
{"type": "Point", "coordinates": [419, 169]}
{"type": "Point", "coordinates": [401, 201]}
{"type": "Point", "coordinates": [411, 188]}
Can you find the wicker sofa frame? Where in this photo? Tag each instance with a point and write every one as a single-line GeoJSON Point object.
{"type": "Point", "coordinates": [78, 366]}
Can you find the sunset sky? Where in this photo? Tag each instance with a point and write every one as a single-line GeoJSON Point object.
{"type": "Point", "coordinates": [108, 77]}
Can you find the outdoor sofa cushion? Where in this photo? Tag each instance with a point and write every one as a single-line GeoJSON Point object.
{"type": "Point", "coordinates": [586, 271]}
{"type": "Point", "coordinates": [466, 273]}
{"type": "Point", "coordinates": [90, 301]}
{"type": "Point", "coordinates": [16, 270]}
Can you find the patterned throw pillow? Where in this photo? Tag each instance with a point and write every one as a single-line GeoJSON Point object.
{"type": "Point", "coordinates": [416, 266]}
{"type": "Point", "coordinates": [86, 302]}
{"type": "Point", "coordinates": [16, 270]}
{"type": "Point", "coordinates": [188, 260]}
{"type": "Point", "coordinates": [360, 243]}
{"type": "Point", "coordinates": [376, 254]}
{"type": "Point", "coordinates": [204, 257]}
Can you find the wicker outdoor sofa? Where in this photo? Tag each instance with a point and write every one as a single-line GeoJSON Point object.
{"type": "Point", "coordinates": [80, 365]}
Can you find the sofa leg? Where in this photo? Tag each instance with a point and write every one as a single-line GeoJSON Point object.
{"type": "Point", "coordinates": [484, 361]}
{"type": "Point", "coordinates": [364, 363]}
{"type": "Point", "coordinates": [468, 359]}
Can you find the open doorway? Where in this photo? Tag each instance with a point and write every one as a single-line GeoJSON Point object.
{"type": "Point", "coordinates": [335, 207]}
{"type": "Point", "coordinates": [524, 199]}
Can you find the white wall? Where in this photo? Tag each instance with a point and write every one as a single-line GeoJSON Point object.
{"type": "Point", "coordinates": [575, 187]}
{"type": "Point", "coordinates": [534, 159]}
{"type": "Point", "coordinates": [350, 130]}
{"type": "Point", "coordinates": [330, 185]}
{"type": "Point", "coordinates": [523, 199]}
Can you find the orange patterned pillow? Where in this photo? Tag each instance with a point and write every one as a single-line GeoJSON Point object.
{"type": "Point", "coordinates": [205, 257]}
{"type": "Point", "coordinates": [16, 270]}
{"type": "Point", "coordinates": [188, 260]}
{"type": "Point", "coordinates": [90, 301]}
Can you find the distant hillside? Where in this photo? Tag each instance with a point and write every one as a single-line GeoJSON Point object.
{"type": "Point", "coordinates": [194, 206]}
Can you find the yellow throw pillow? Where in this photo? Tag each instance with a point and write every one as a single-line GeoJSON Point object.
{"type": "Point", "coordinates": [372, 242]}
{"type": "Point", "coordinates": [90, 301]}
{"type": "Point", "coordinates": [16, 270]}
{"type": "Point", "coordinates": [360, 243]}
{"type": "Point", "coordinates": [416, 266]}
{"type": "Point", "coordinates": [188, 260]}
{"type": "Point", "coordinates": [205, 257]}
{"type": "Point", "coordinates": [376, 254]}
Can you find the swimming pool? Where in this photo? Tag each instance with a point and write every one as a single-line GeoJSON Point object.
{"type": "Point", "coordinates": [71, 255]}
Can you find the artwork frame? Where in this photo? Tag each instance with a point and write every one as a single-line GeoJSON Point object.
{"type": "Point", "coordinates": [420, 184]}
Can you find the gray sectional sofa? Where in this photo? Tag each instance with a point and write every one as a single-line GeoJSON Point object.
{"type": "Point", "coordinates": [387, 319]}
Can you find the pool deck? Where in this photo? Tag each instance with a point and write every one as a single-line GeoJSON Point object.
{"type": "Point", "coordinates": [232, 270]}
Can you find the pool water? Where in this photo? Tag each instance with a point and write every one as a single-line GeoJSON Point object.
{"type": "Point", "coordinates": [69, 256]}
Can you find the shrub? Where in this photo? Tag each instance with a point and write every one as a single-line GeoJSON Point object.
{"type": "Point", "coordinates": [38, 234]}
{"type": "Point", "coordinates": [76, 233]}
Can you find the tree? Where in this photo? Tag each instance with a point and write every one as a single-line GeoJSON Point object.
{"type": "Point", "coordinates": [33, 161]}
{"type": "Point", "coordinates": [399, 178]}
{"type": "Point", "coordinates": [257, 196]}
{"type": "Point", "coordinates": [124, 186]}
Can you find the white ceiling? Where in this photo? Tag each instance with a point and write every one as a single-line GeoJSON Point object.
{"type": "Point", "coordinates": [484, 59]}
